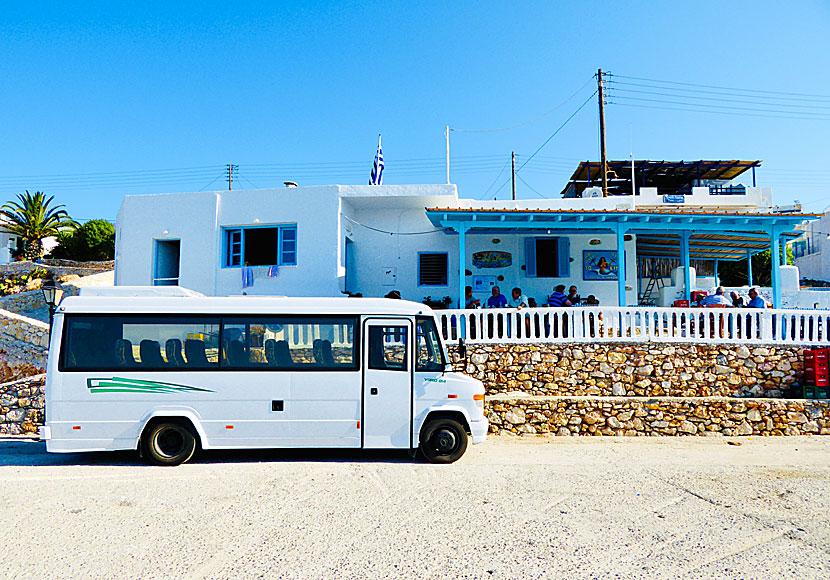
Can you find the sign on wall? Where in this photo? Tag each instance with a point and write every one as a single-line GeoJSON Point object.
{"type": "Point", "coordinates": [492, 259]}
{"type": "Point", "coordinates": [483, 283]}
{"type": "Point", "coordinates": [599, 265]}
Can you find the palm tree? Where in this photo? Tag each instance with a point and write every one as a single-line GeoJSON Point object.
{"type": "Point", "coordinates": [33, 218]}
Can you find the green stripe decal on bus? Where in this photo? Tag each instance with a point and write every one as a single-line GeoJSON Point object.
{"type": "Point", "coordinates": [122, 385]}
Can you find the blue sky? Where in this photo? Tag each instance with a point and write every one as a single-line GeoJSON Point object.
{"type": "Point", "coordinates": [107, 99]}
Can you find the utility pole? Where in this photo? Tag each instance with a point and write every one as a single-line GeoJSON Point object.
{"type": "Point", "coordinates": [447, 136]}
{"type": "Point", "coordinates": [513, 166]}
{"type": "Point", "coordinates": [230, 169]}
{"type": "Point", "coordinates": [602, 134]}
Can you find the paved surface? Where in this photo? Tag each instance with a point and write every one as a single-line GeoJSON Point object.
{"type": "Point", "coordinates": [559, 508]}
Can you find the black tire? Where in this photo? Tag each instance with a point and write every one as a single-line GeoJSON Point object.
{"type": "Point", "coordinates": [443, 441]}
{"type": "Point", "coordinates": [168, 443]}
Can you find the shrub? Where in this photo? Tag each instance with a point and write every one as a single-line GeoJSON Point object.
{"type": "Point", "coordinates": [92, 241]}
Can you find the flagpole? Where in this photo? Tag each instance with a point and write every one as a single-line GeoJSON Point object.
{"type": "Point", "coordinates": [447, 135]}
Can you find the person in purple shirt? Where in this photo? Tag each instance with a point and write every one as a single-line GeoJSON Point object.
{"type": "Point", "coordinates": [755, 301]}
{"type": "Point", "coordinates": [497, 300]}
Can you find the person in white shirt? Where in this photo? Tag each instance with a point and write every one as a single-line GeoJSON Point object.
{"type": "Point", "coordinates": [517, 299]}
{"type": "Point", "coordinates": [716, 299]}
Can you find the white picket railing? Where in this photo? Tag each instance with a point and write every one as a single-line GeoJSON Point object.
{"type": "Point", "coordinates": [636, 324]}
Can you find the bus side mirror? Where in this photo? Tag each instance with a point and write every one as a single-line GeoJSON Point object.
{"type": "Point", "coordinates": [462, 350]}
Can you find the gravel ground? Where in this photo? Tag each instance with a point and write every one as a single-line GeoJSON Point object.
{"type": "Point", "coordinates": [511, 508]}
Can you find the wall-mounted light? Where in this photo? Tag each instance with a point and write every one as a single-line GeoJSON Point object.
{"type": "Point", "coordinates": [628, 237]}
{"type": "Point", "coordinates": [165, 232]}
{"type": "Point", "coordinates": [595, 242]}
{"type": "Point", "coordinates": [496, 240]}
{"type": "Point", "coordinates": [256, 220]}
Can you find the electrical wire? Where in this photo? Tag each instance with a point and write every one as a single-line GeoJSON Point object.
{"type": "Point", "coordinates": [354, 221]}
{"type": "Point", "coordinates": [495, 180]}
{"type": "Point", "coordinates": [613, 90]}
{"type": "Point", "coordinates": [801, 114]}
{"type": "Point", "coordinates": [533, 120]}
{"type": "Point", "coordinates": [530, 186]}
{"type": "Point", "coordinates": [714, 112]}
{"type": "Point", "coordinates": [719, 87]}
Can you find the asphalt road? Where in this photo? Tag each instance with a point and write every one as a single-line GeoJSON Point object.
{"type": "Point", "coordinates": [530, 508]}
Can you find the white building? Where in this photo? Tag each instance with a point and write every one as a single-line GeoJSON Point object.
{"type": "Point", "coordinates": [811, 252]}
{"type": "Point", "coordinates": [423, 240]}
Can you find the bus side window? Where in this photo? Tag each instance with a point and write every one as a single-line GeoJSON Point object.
{"type": "Point", "coordinates": [387, 348]}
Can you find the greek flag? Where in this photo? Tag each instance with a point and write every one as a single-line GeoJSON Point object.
{"type": "Point", "coordinates": [377, 168]}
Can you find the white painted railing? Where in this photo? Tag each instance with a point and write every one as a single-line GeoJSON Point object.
{"type": "Point", "coordinates": [636, 324]}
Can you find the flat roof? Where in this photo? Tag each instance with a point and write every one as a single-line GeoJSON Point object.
{"type": "Point", "coordinates": [667, 176]}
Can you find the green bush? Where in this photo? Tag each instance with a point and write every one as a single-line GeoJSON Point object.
{"type": "Point", "coordinates": [92, 241]}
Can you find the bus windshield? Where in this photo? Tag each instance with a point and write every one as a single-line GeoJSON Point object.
{"type": "Point", "coordinates": [430, 354]}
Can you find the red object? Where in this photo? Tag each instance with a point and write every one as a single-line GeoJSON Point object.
{"type": "Point", "coordinates": [681, 304]}
{"type": "Point", "coordinates": [816, 372]}
{"type": "Point", "coordinates": [698, 295]}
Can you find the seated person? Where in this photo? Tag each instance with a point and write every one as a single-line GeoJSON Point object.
{"type": "Point", "coordinates": [531, 303]}
{"type": "Point", "coordinates": [573, 296]}
{"type": "Point", "coordinates": [517, 300]}
{"type": "Point", "coordinates": [497, 300]}
{"type": "Point", "coordinates": [737, 300]}
{"type": "Point", "coordinates": [470, 301]}
{"type": "Point", "coordinates": [558, 298]}
{"type": "Point", "coordinates": [591, 301]}
{"type": "Point", "coordinates": [755, 301]}
{"type": "Point", "coordinates": [716, 299]}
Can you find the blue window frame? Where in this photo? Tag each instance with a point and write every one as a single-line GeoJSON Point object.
{"type": "Point", "coordinates": [260, 246]}
{"type": "Point", "coordinates": [433, 268]}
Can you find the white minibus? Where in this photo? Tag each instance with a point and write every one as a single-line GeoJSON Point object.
{"type": "Point", "coordinates": [167, 371]}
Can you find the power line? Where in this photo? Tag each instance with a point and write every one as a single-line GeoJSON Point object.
{"type": "Point", "coordinates": [720, 87]}
{"type": "Point", "coordinates": [534, 119]}
{"type": "Point", "coordinates": [715, 99]}
{"type": "Point", "coordinates": [730, 94]}
{"type": "Point", "coordinates": [802, 114]}
{"type": "Point", "coordinates": [714, 112]}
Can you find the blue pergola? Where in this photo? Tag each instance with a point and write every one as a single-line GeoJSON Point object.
{"type": "Point", "coordinates": [759, 230]}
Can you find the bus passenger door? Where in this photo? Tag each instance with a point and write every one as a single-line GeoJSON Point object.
{"type": "Point", "coordinates": [387, 383]}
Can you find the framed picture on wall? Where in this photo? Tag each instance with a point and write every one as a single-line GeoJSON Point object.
{"type": "Point", "coordinates": [599, 265]}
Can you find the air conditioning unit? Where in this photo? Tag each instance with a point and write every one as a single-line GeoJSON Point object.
{"type": "Point", "coordinates": [592, 192]}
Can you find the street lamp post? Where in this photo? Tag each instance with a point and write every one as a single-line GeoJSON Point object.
{"type": "Point", "coordinates": [52, 293]}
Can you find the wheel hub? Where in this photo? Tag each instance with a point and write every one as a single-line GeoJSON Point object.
{"type": "Point", "coordinates": [445, 441]}
{"type": "Point", "coordinates": [170, 442]}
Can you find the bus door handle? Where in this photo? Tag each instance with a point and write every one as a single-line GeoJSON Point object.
{"type": "Point", "coordinates": [373, 391]}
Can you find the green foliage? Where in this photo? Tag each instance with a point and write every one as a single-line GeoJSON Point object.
{"type": "Point", "coordinates": [92, 241]}
{"type": "Point", "coordinates": [33, 217]}
{"type": "Point", "coordinates": [17, 283]}
{"type": "Point", "coordinates": [735, 273]}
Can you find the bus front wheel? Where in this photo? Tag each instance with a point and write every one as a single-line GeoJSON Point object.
{"type": "Point", "coordinates": [168, 443]}
{"type": "Point", "coordinates": [443, 441]}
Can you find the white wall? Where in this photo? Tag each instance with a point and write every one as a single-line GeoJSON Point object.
{"type": "Point", "coordinates": [816, 266]}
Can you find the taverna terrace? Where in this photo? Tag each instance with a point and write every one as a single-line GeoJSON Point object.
{"type": "Point", "coordinates": [642, 257]}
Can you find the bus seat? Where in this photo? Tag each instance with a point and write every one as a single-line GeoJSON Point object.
{"type": "Point", "coordinates": [376, 360]}
{"type": "Point", "coordinates": [315, 351]}
{"type": "Point", "coordinates": [124, 353]}
{"type": "Point", "coordinates": [173, 349]}
{"type": "Point", "coordinates": [283, 354]}
{"type": "Point", "coordinates": [150, 352]}
{"type": "Point", "coordinates": [270, 354]}
{"type": "Point", "coordinates": [194, 350]}
{"type": "Point", "coordinates": [235, 354]}
{"type": "Point", "coordinates": [326, 354]}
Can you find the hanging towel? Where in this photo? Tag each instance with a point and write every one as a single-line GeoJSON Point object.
{"type": "Point", "coordinates": [273, 271]}
{"type": "Point", "coordinates": [247, 277]}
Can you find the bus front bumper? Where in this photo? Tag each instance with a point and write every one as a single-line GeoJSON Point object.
{"type": "Point", "coordinates": [478, 429]}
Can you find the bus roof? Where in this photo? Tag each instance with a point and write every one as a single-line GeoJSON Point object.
{"type": "Point", "coordinates": [239, 305]}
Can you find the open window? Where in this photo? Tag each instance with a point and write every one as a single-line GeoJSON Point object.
{"type": "Point", "coordinates": [261, 246]}
{"type": "Point", "coordinates": [548, 257]}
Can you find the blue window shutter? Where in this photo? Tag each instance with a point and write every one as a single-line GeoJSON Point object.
{"type": "Point", "coordinates": [233, 248]}
{"type": "Point", "coordinates": [563, 253]}
{"type": "Point", "coordinates": [530, 257]}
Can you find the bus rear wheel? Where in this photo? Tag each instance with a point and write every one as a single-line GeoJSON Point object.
{"type": "Point", "coordinates": [443, 441]}
{"type": "Point", "coordinates": [168, 443]}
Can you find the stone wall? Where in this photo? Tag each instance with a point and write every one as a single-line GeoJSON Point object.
{"type": "Point", "coordinates": [626, 369]}
{"type": "Point", "coordinates": [57, 267]}
{"type": "Point", "coordinates": [630, 416]}
{"type": "Point", "coordinates": [24, 344]}
{"type": "Point", "coordinates": [31, 304]}
{"type": "Point", "coordinates": [21, 406]}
